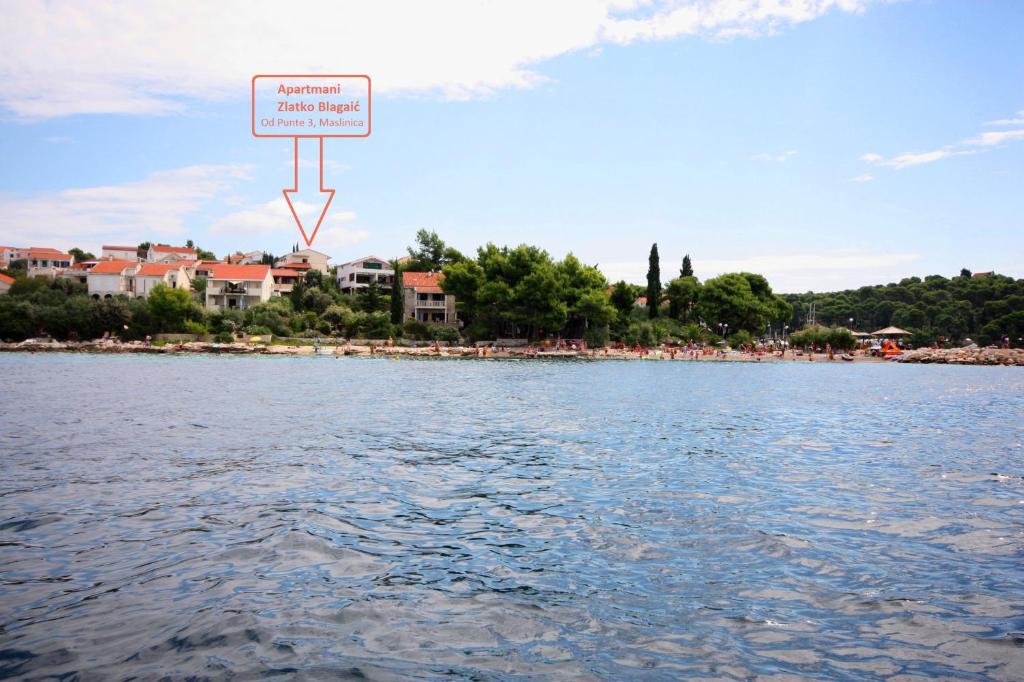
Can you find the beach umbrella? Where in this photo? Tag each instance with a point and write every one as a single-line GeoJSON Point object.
{"type": "Point", "coordinates": [891, 331]}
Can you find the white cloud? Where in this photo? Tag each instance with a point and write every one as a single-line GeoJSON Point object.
{"type": "Point", "coordinates": [787, 272]}
{"type": "Point", "coordinates": [993, 138]}
{"type": "Point", "coordinates": [908, 159]}
{"type": "Point", "coordinates": [778, 158]}
{"type": "Point", "coordinates": [865, 177]}
{"type": "Point", "coordinates": [1018, 120]}
{"type": "Point", "coordinates": [274, 217]}
{"type": "Point", "coordinates": [156, 207]}
{"type": "Point", "coordinates": [153, 58]}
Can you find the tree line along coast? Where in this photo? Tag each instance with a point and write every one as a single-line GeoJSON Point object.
{"type": "Point", "coordinates": [521, 292]}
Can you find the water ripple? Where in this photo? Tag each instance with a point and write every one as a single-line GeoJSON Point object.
{"type": "Point", "coordinates": [214, 517]}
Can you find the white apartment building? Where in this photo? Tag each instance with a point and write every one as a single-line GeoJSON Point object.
{"type": "Point", "coordinates": [161, 253]}
{"type": "Point", "coordinates": [237, 286]}
{"type": "Point", "coordinates": [110, 278]}
{"type": "Point", "coordinates": [314, 259]}
{"type": "Point", "coordinates": [45, 262]}
{"type": "Point", "coordinates": [120, 252]}
{"type": "Point", "coordinates": [173, 275]}
{"type": "Point", "coordinates": [358, 274]}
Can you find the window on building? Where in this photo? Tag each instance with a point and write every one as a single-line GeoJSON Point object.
{"type": "Point", "coordinates": [371, 266]}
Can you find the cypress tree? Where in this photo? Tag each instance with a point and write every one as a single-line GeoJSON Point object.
{"type": "Point", "coordinates": [687, 269]}
{"type": "Point", "coordinates": [653, 282]}
{"type": "Point", "coordinates": [397, 302]}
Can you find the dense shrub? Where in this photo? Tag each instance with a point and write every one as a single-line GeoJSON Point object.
{"type": "Point", "coordinates": [839, 338]}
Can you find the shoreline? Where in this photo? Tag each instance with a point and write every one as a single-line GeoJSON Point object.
{"type": "Point", "coordinates": [455, 352]}
{"type": "Point", "coordinates": [953, 356]}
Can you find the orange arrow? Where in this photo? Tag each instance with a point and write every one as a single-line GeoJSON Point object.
{"type": "Point", "coordinates": [295, 188]}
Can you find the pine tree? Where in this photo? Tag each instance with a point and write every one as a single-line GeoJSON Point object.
{"type": "Point", "coordinates": [687, 269]}
{"type": "Point", "coordinates": [653, 282]}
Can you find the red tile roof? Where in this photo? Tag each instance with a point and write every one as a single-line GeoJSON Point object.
{"type": "Point", "coordinates": [295, 266]}
{"type": "Point", "coordinates": [5, 278]}
{"type": "Point", "coordinates": [157, 269]}
{"type": "Point", "coordinates": [112, 267]}
{"type": "Point", "coordinates": [284, 272]}
{"type": "Point", "coordinates": [160, 248]}
{"type": "Point", "coordinates": [119, 248]}
{"type": "Point", "coordinates": [249, 272]}
{"type": "Point", "coordinates": [47, 254]}
{"type": "Point", "coordinates": [424, 282]}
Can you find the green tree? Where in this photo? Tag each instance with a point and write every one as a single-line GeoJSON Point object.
{"type": "Point", "coordinates": [741, 300]}
{"type": "Point", "coordinates": [199, 286]}
{"type": "Point", "coordinates": [79, 255]}
{"type": "Point", "coordinates": [397, 302]}
{"type": "Point", "coordinates": [687, 269]}
{"type": "Point", "coordinates": [339, 317]}
{"type": "Point", "coordinates": [623, 298]}
{"type": "Point", "coordinates": [683, 294]}
{"type": "Point", "coordinates": [653, 282]}
{"type": "Point", "coordinates": [431, 254]}
{"type": "Point", "coordinates": [370, 299]}
{"type": "Point", "coordinates": [169, 307]}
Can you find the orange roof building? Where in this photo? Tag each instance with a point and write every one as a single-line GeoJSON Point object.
{"type": "Point", "coordinates": [237, 286]}
{"type": "Point", "coordinates": [424, 300]}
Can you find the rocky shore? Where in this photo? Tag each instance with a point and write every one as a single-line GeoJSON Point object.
{"type": "Point", "coordinates": [955, 356]}
{"type": "Point", "coordinates": [375, 350]}
{"type": "Point", "coordinates": [965, 356]}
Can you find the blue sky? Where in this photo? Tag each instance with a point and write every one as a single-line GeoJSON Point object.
{"type": "Point", "coordinates": [825, 143]}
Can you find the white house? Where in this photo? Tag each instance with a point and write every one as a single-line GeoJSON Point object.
{"type": "Point", "coordinates": [314, 259]}
{"type": "Point", "coordinates": [79, 272]}
{"type": "Point", "coordinates": [161, 253]}
{"type": "Point", "coordinates": [7, 255]}
{"type": "Point", "coordinates": [120, 252]}
{"type": "Point", "coordinates": [46, 262]}
{"type": "Point", "coordinates": [359, 273]}
{"type": "Point", "coordinates": [173, 275]}
{"type": "Point", "coordinates": [110, 278]}
{"type": "Point", "coordinates": [237, 286]}
{"type": "Point", "coordinates": [5, 283]}
{"type": "Point", "coordinates": [250, 258]}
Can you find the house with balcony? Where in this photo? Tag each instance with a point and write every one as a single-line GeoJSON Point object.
{"type": "Point", "coordinates": [237, 286]}
{"type": "Point", "coordinates": [79, 272]}
{"type": "Point", "coordinates": [172, 275]}
{"type": "Point", "coordinates": [425, 301]}
{"type": "Point", "coordinates": [284, 280]}
{"type": "Point", "coordinates": [161, 253]}
{"type": "Point", "coordinates": [313, 259]}
{"type": "Point", "coordinates": [110, 278]}
{"type": "Point", "coordinates": [46, 262]}
{"type": "Point", "coordinates": [114, 252]}
{"type": "Point", "coordinates": [360, 273]}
